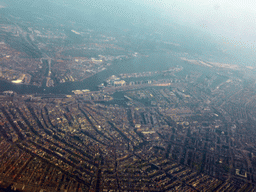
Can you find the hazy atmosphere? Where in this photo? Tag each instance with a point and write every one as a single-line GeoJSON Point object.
{"type": "Point", "coordinates": [228, 22]}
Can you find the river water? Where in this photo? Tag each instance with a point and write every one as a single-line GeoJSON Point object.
{"type": "Point", "coordinates": [155, 62]}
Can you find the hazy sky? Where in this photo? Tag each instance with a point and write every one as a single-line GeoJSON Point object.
{"type": "Point", "coordinates": [229, 19]}
{"type": "Point", "coordinates": [233, 20]}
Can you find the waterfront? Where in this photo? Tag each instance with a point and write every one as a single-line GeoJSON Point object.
{"type": "Point", "coordinates": [137, 64]}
